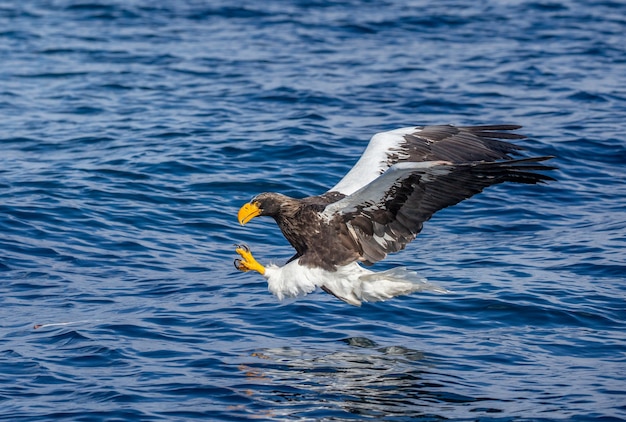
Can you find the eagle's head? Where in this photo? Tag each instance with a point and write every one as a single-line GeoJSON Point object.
{"type": "Point", "coordinates": [268, 203]}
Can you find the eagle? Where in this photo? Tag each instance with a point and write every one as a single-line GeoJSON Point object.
{"type": "Point", "coordinates": [402, 178]}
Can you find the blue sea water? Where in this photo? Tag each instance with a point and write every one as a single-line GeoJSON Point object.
{"type": "Point", "coordinates": [133, 130]}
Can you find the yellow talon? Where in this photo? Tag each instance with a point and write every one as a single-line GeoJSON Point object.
{"type": "Point", "coordinates": [247, 263]}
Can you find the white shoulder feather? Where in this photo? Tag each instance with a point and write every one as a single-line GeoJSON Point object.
{"type": "Point", "coordinates": [375, 160]}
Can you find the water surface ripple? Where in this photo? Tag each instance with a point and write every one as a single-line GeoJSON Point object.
{"type": "Point", "coordinates": [133, 130]}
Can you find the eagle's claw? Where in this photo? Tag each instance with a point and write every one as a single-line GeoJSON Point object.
{"type": "Point", "coordinates": [247, 263]}
{"type": "Point", "coordinates": [242, 246]}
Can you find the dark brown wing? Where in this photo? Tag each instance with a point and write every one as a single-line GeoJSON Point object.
{"type": "Point", "coordinates": [429, 143]}
{"type": "Point", "coordinates": [388, 213]}
{"type": "Point", "coordinates": [460, 144]}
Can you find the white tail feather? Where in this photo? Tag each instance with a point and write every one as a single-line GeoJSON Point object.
{"type": "Point", "coordinates": [351, 283]}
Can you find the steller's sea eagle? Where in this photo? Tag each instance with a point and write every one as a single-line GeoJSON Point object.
{"type": "Point", "coordinates": [403, 178]}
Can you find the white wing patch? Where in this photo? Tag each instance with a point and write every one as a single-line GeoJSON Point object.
{"type": "Point", "coordinates": [375, 159]}
{"type": "Point", "coordinates": [377, 190]}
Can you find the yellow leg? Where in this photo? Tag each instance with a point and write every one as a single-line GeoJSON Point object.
{"type": "Point", "coordinates": [247, 263]}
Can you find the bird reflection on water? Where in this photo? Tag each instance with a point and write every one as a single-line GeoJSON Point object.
{"type": "Point", "coordinates": [365, 379]}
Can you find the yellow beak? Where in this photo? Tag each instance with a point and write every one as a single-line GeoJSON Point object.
{"type": "Point", "coordinates": [248, 212]}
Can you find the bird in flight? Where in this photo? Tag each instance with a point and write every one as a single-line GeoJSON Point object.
{"type": "Point", "coordinates": [403, 177]}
